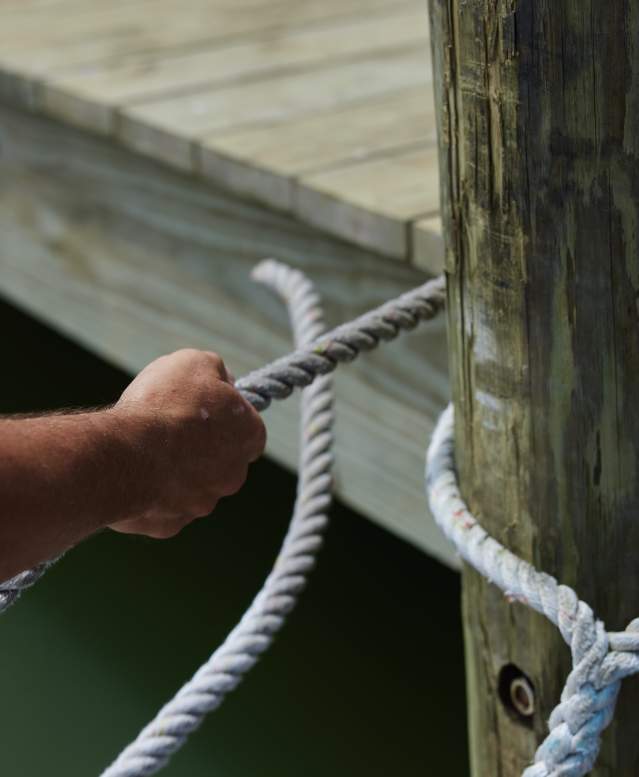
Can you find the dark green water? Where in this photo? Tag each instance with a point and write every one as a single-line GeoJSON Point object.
{"type": "Point", "coordinates": [366, 680]}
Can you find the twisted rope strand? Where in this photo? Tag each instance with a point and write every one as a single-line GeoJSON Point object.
{"type": "Point", "coordinates": [343, 344]}
{"type": "Point", "coordinates": [11, 589]}
{"type": "Point", "coordinates": [255, 632]}
{"type": "Point", "coordinates": [297, 370]}
{"type": "Point", "coordinates": [318, 355]}
{"type": "Point", "coordinates": [600, 660]}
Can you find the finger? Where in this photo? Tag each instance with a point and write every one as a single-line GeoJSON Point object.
{"type": "Point", "coordinates": [219, 366]}
{"type": "Point", "coordinates": [256, 449]}
{"type": "Point", "coordinates": [203, 507]}
{"type": "Point", "coordinates": [165, 531]}
{"type": "Point", "coordinates": [131, 526]}
{"type": "Point", "coordinates": [255, 433]}
{"type": "Point", "coordinates": [234, 480]}
{"type": "Point", "coordinates": [161, 529]}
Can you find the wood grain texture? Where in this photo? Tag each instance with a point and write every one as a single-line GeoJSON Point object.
{"type": "Point", "coordinates": [70, 93]}
{"type": "Point", "coordinates": [36, 41]}
{"type": "Point", "coordinates": [539, 116]}
{"type": "Point", "coordinates": [133, 261]}
{"type": "Point", "coordinates": [384, 196]}
{"type": "Point", "coordinates": [265, 163]}
{"type": "Point", "coordinates": [252, 94]}
{"type": "Point", "coordinates": [207, 112]}
{"type": "Point", "coordinates": [428, 245]}
{"type": "Point", "coordinates": [41, 41]}
{"type": "Point", "coordinates": [329, 139]}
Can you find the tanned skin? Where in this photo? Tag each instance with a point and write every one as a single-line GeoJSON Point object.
{"type": "Point", "coordinates": [179, 438]}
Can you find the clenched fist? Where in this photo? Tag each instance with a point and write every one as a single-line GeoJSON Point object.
{"type": "Point", "coordinates": [179, 438]}
{"type": "Point", "coordinates": [195, 435]}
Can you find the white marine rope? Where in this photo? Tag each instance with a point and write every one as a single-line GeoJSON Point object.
{"type": "Point", "coordinates": [600, 659]}
{"type": "Point", "coordinates": [316, 356]}
{"type": "Point", "coordinates": [255, 632]}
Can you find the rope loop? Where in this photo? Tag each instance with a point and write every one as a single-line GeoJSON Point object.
{"type": "Point", "coordinates": [600, 660]}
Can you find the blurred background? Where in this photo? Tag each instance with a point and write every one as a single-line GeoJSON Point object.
{"type": "Point", "coordinates": [366, 678]}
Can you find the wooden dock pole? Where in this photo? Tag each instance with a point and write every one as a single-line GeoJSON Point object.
{"type": "Point", "coordinates": [538, 119]}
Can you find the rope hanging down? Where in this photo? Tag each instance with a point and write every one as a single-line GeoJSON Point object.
{"type": "Point", "coordinates": [255, 632]}
{"type": "Point", "coordinates": [600, 659]}
{"type": "Point", "coordinates": [313, 359]}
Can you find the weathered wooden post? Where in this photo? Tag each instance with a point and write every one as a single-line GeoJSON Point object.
{"type": "Point", "coordinates": [538, 104]}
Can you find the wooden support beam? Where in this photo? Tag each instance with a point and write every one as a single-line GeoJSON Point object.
{"type": "Point", "coordinates": [538, 118]}
{"type": "Point", "coordinates": [133, 260]}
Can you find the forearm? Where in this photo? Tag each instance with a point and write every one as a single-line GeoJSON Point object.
{"type": "Point", "coordinates": [179, 438]}
{"type": "Point", "coordinates": [62, 478]}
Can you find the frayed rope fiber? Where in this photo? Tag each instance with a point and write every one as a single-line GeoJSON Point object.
{"type": "Point", "coordinates": [600, 659]}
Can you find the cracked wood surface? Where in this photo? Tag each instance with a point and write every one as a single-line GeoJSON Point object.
{"type": "Point", "coordinates": [538, 114]}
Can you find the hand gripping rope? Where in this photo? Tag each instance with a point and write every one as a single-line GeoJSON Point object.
{"type": "Point", "coordinates": [600, 659]}
{"type": "Point", "coordinates": [317, 355]}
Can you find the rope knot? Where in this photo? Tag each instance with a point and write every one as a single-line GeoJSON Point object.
{"type": "Point", "coordinates": [600, 660]}
{"type": "Point", "coordinates": [587, 700]}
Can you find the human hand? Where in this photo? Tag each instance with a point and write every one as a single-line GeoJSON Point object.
{"type": "Point", "coordinates": [194, 437]}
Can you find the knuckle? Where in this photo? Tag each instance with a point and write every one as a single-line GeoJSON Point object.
{"type": "Point", "coordinates": [203, 506]}
{"type": "Point", "coordinates": [216, 361]}
{"type": "Point", "coordinates": [255, 436]}
{"type": "Point", "coordinates": [260, 435]}
{"type": "Point", "coordinates": [228, 394]}
{"type": "Point", "coordinates": [214, 357]}
{"type": "Point", "coordinates": [165, 531]}
{"type": "Point", "coordinates": [189, 353]}
{"type": "Point", "coordinates": [235, 480]}
{"type": "Point", "coordinates": [207, 359]}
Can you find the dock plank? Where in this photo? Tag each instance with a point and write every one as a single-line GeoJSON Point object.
{"type": "Point", "coordinates": [383, 196]}
{"type": "Point", "coordinates": [264, 163]}
{"type": "Point", "coordinates": [301, 129]}
{"type": "Point", "coordinates": [38, 43]}
{"type": "Point", "coordinates": [89, 96]}
{"type": "Point", "coordinates": [428, 245]}
{"type": "Point", "coordinates": [294, 103]}
{"type": "Point", "coordinates": [187, 118]}
{"type": "Point", "coordinates": [134, 260]}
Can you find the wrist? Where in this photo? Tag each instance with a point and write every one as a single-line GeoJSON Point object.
{"type": "Point", "coordinates": [131, 441]}
{"type": "Point", "coordinates": [65, 476]}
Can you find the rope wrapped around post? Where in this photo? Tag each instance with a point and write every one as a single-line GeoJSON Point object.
{"type": "Point", "coordinates": [600, 659]}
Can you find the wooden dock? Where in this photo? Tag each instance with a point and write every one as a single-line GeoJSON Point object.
{"type": "Point", "coordinates": [152, 151]}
